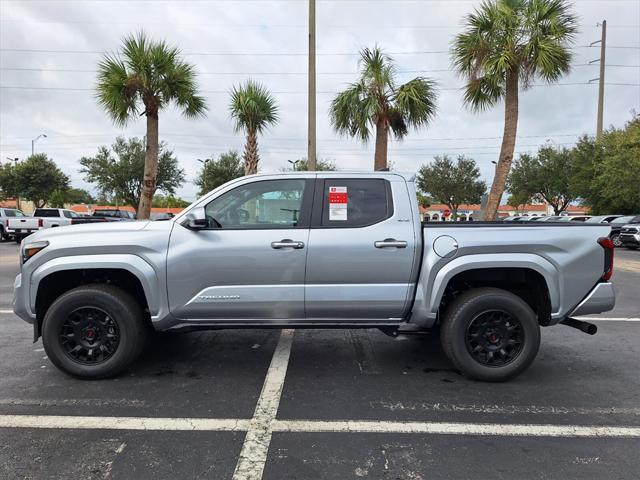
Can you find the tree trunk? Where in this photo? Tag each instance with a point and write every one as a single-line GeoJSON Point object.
{"type": "Point", "coordinates": [382, 139]}
{"type": "Point", "coordinates": [507, 148]}
{"type": "Point", "coordinates": [150, 168]}
{"type": "Point", "coordinates": [251, 157]}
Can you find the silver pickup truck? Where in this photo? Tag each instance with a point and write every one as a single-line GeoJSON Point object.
{"type": "Point", "coordinates": [312, 250]}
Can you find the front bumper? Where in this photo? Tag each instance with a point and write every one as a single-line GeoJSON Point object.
{"type": "Point", "coordinates": [601, 299]}
{"type": "Point", "coordinates": [629, 240]}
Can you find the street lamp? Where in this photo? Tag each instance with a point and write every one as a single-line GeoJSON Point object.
{"type": "Point", "coordinates": [33, 142]}
{"type": "Point", "coordinates": [204, 172]}
{"type": "Point", "coordinates": [294, 163]}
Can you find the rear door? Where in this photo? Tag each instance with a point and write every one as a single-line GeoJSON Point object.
{"type": "Point", "coordinates": [362, 249]}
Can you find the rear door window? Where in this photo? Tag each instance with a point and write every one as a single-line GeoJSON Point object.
{"type": "Point", "coordinates": [355, 202]}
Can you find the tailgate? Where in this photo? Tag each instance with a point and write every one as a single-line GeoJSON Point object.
{"type": "Point", "coordinates": [23, 223]}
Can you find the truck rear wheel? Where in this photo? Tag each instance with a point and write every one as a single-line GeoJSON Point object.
{"type": "Point", "coordinates": [94, 331]}
{"type": "Point", "coordinates": [490, 334]}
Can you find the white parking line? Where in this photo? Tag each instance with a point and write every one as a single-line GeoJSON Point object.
{"type": "Point", "coordinates": [6, 311]}
{"type": "Point", "coordinates": [253, 455]}
{"type": "Point", "coordinates": [610, 319]}
{"type": "Point", "coordinates": [255, 447]}
{"type": "Point", "coordinates": [498, 429]}
{"type": "Point", "coordinates": [123, 423]}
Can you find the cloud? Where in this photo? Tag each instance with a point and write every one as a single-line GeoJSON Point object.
{"type": "Point", "coordinates": [76, 126]}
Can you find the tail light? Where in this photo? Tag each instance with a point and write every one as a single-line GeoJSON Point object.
{"type": "Point", "coordinates": [40, 222]}
{"type": "Point", "coordinates": [609, 248]}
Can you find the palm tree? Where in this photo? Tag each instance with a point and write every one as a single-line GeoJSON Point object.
{"type": "Point", "coordinates": [376, 100]}
{"type": "Point", "coordinates": [253, 109]}
{"type": "Point", "coordinates": [141, 80]}
{"type": "Point", "coordinates": [505, 45]}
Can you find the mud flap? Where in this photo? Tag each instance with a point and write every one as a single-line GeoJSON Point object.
{"type": "Point", "coordinates": [36, 330]}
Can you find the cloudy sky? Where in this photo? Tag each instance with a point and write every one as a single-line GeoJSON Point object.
{"type": "Point", "coordinates": [49, 50]}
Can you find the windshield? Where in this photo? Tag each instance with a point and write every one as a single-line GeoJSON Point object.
{"type": "Point", "coordinates": [46, 212]}
{"type": "Point", "coordinates": [107, 213]}
{"type": "Point", "coordinates": [624, 219]}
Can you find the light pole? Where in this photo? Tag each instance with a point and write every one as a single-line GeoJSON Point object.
{"type": "Point", "coordinates": [15, 163]}
{"type": "Point", "coordinates": [204, 172]}
{"type": "Point", "coordinates": [33, 142]}
{"type": "Point", "coordinates": [295, 163]}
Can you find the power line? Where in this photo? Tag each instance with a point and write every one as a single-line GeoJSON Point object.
{"type": "Point", "coordinates": [443, 70]}
{"type": "Point", "coordinates": [301, 92]}
{"type": "Point", "coordinates": [277, 54]}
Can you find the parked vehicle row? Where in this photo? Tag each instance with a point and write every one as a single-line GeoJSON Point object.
{"type": "Point", "coordinates": [17, 226]}
{"type": "Point", "coordinates": [623, 232]}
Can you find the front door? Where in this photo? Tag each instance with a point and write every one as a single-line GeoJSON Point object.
{"type": "Point", "coordinates": [249, 263]}
{"type": "Point", "coordinates": [362, 250]}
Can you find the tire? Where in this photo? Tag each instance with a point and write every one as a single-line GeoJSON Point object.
{"type": "Point", "coordinates": [100, 316]}
{"type": "Point", "coordinates": [508, 341]}
{"type": "Point", "coordinates": [615, 238]}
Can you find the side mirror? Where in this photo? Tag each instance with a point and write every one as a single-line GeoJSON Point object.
{"type": "Point", "coordinates": [196, 219]}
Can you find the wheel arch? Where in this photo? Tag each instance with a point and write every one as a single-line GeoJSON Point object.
{"type": "Point", "coordinates": [531, 277]}
{"type": "Point", "coordinates": [59, 275]}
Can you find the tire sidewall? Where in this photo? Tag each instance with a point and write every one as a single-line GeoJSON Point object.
{"type": "Point", "coordinates": [474, 306]}
{"type": "Point", "coordinates": [118, 310]}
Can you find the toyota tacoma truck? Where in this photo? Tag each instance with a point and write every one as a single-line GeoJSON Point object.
{"type": "Point", "coordinates": [311, 250]}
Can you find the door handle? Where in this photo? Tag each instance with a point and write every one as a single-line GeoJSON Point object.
{"type": "Point", "coordinates": [287, 243]}
{"type": "Point", "coordinates": [390, 243]}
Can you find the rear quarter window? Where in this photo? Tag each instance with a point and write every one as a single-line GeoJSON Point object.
{"type": "Point", "coordinates": [368, 201]}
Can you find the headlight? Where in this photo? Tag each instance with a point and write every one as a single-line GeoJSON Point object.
{"type": "Point", "coordinates": [30, 249]}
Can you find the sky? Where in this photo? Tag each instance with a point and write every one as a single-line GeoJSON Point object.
{"type": "Point", "coordinates": [49, 50]}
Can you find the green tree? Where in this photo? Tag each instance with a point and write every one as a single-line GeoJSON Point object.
{"type": "Point", "coordinates": [606, 172]}
{"type": "Point", "coordinates": [37, 178]}
{"type": "Point", "coordinates": [8, 187]}
{"type": "Point", "coordinates": [169, 201]}
{"type": "Point", "coordinates": [377, 101]}
{"type": "Point", "coordinates": [452, 183]}
{"type": "Point", "coordinates": [518, 200]}
{"type": "Point", "coordinates": [120, 171]}
{"type": "Point", "coordinates": [253, 109]}
{"type": "Point", "coordinates": [505, 46]}
{"type": "Point", "coordinates": [545, 176]}
{"type": "Point", "coordinates": [218, 172]}
{"type": "Point", "coordinates": [302, 165]}
{"type": "Point", "coordinates": [73, 196]}
{"type": "Point", "coordinates": [145, 77]}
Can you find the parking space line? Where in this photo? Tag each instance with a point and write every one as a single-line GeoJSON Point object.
{"type": "Point", "coordinates": [6, 311]}
{"type": "Point", "coordinates": [257, 447]}
{"type": "Point", "coordinates": [253, 455]}
{"type": "Point", "coordinates": [123, 423]}
{"type": "Point", "coordinates": [610, 319]}
{"type": "Point", "coordinates": [495, 429]}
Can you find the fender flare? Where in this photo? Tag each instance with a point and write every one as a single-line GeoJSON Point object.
{"type": "Point", "coordinates": [133, 264]}
{"type": "Point", "coordinates": [551, 275]}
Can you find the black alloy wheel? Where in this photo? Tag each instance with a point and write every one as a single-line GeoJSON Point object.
{"type": "Point", "coordinates": [494, 338]}
{"type": "Point", "coordinates": [89, 336]}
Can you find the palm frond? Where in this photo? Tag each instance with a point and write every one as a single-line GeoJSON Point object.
{"type": "Point", "coordinates": [352, 111]}
{"type": "Point", "coordinates": [252, 107]}
{"type": "Point", "coordinates": [416, 102]}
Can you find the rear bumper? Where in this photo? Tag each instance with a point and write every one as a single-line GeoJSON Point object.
{"type": "Point", "coordinates": [601, 299]}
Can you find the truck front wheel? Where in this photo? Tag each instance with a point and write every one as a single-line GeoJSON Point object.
{"type": "Point", "coordinates": [93, 331]}
{"type": "Point", "coordinates": [490, 334]}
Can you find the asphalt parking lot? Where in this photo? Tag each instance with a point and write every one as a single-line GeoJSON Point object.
{"type": "Point", "coordinates": [326, 404]}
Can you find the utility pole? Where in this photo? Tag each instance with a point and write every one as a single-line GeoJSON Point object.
{"type": "Point", "coordinates": [311, 134]}
{"type": "Point", "coordinates": [15, 164]}
{"type": "Point", "coordinates": [603, 49]}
